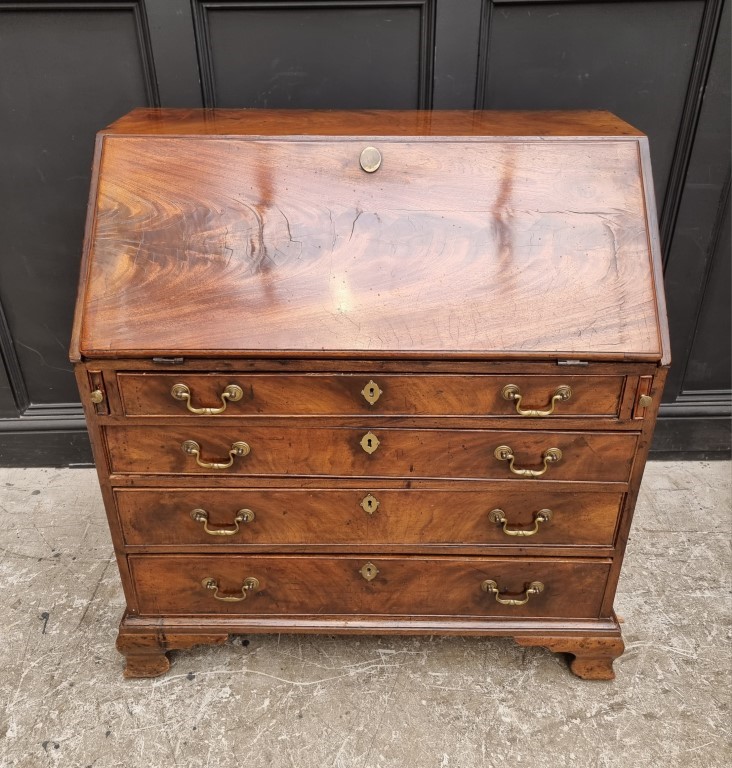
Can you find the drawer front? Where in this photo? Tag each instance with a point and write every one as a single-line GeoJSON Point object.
{"type": "Point", "coordinates": [372, 517]}
{"type": "Point", "coordinates": [400, 586]}
{"type": "Point", "coordinates": [597, 456]}
{"type": "Point", "coordinates": [355, 394]}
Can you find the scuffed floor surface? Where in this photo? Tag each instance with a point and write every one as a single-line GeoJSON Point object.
{"type": "Point", "coordinates": [361, 702]}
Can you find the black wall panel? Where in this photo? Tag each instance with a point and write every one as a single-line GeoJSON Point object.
{"type": "Point", "coordinates": [66, 69]}
{"type": "Point", "coordinates": [69, 68]}
{"type": "Point", "coordinates": [348, 55]}
{"type": "Point", "coordinates": [63, 72]}
{"type": "Point", "coordinates": [8, 405]}
{"type": "Point", "coordinates": [709, 361]}
{"type": "Point", "coordinates": [696, 411]}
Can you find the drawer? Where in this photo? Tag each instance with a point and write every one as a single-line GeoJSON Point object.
{"type": "Point", "coordinates": [151, 394]}
{"type": "Point", "coordinates": [326, 516]}
{"type": "Point", "coordinates": [344, 452]}
{"type": "Point", "coordinates": [398, 586]}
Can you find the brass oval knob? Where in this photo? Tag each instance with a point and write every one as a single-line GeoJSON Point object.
{"type": "Point", "coordinates": [242, 516]}
{"type": "Point", "coordinates": [97, 396]}
{"type": "Point", "coordinates": [512, 392]}
{"type": "Point", "coordinates": [490, 586]}
{"type": "Point", "coordinates": [250, 585]}
{"type": "Point", "coordinates": [499, 516]}
{"type": "Point", "coordinates": [370, 159]}
{"type": "Point", "coordinates": [550, 456]}
{"type": "Point", "coordinates": [192, 448]}
{"type": "Point", "coordinates": [232, 394]}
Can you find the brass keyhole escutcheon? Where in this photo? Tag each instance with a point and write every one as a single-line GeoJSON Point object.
{"type": "Point", "coordinates": [369, 442]}
{"type": "Point", "coordinates": [369, 571]}
{"type": "Point", "coordinates": [370, 504]}
{"type": "Point", "coordinates": [370, 159]}
{"type": "Point", "coordinates": [372, 392]}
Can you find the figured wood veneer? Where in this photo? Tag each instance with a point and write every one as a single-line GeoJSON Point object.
{"type": "Point", "coordinates": [330, 516]}
{"type": "Point", "coordinates": [289, 246]}
{"type": "Point", "coordinates": [333, 585]}
{"type": "Point", "coordinates": [333, 395]}
{"type": "Point", "coordinates": [591, 456]}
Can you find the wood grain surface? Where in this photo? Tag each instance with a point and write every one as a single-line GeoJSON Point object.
{"type": "Point", "coordinates": [290, 585]}
{"type": "Point", "coordinates": [414, 123]}
{"type": "Point", "coordinates": [145, 654]}
{"type": "Point", "coordinates": [325, 516]}
{"type": "Point", "coordinates": [497, 248]}
{"type": "Point", "coordinates": [148, 394]}
{"type": "Point", "coordinates": [444, 453]}
{"type": "Point", "coordinates": [593, 656]}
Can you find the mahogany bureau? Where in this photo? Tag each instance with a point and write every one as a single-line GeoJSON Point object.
{"type": "Point", "coordinates": [370, 372]}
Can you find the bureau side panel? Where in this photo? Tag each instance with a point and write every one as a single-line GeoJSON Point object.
{"type": "Point", "coordinates": [75, 346]}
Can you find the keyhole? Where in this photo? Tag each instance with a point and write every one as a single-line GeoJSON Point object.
{"type": "Point", "coordinates": [369, 442]}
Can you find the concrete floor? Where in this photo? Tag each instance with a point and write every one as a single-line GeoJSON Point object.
{"type": "Point", "coordinates": [361, 702]}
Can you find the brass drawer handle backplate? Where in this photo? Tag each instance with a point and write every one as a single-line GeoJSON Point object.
{"type": "Point", "coordinates": [192, 448]}
{"type": "Point", "coordinates": [499, 516]}
{"type": "Point", "coordinates": [490, 586]}
{"type": "Point", "coordinates": [550, 456]}
{"type": "Point", "coordinates": [512, 392]}
{"type": "Point", "coordinates": [232, 393]}
{"type": "Point", "coordinates": [242, 516]}
{"type": "Point", "coordinates": [250, 585]}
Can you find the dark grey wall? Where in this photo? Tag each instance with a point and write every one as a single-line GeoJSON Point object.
{"type": "Point", "coordinates": [69, 68]}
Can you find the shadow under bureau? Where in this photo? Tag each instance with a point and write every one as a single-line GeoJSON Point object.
{"type": "Point", "coordinates": [384, 372]}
